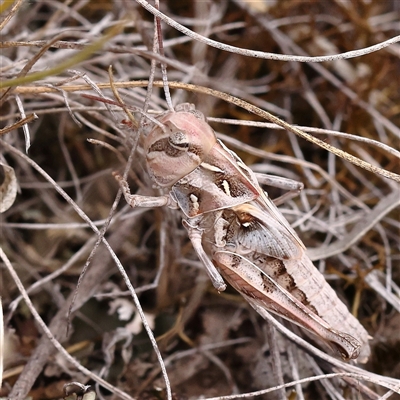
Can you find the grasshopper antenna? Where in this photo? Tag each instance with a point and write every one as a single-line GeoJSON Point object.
{"type": "Point", "coordinates": [158, 38]}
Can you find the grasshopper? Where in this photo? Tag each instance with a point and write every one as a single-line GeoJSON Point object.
{"type": "Point", "coordinates": [238, 233]}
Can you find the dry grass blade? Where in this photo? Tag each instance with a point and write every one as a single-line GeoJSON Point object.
{"type": "Point", "coordinates": [326, 72]}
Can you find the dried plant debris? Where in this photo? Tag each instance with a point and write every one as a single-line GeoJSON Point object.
{"type": "Point", "coordinates": [8, 188]}
{"type": "Point", "coordinates": [329, 69]}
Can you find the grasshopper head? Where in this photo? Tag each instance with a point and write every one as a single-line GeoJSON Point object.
{"type": "Point", "coordinates": [179, 148]}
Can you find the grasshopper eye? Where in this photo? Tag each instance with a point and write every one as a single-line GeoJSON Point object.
{"type": "Point", "coordinates": [179, 141]}
{"type": "Point", "coordinates": [178, 148]}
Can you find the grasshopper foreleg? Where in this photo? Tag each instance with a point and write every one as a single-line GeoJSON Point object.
{"type": "Point", "coordinates": [135, 200]}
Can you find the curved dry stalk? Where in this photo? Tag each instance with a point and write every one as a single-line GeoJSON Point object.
{"type": "Point", "coordinates": [261, 54]}
{"type": "Point", "coordinates": [255, 110]}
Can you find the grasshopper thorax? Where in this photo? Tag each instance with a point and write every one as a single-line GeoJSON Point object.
{"type": "Point", "coordinates": [180, 146]}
